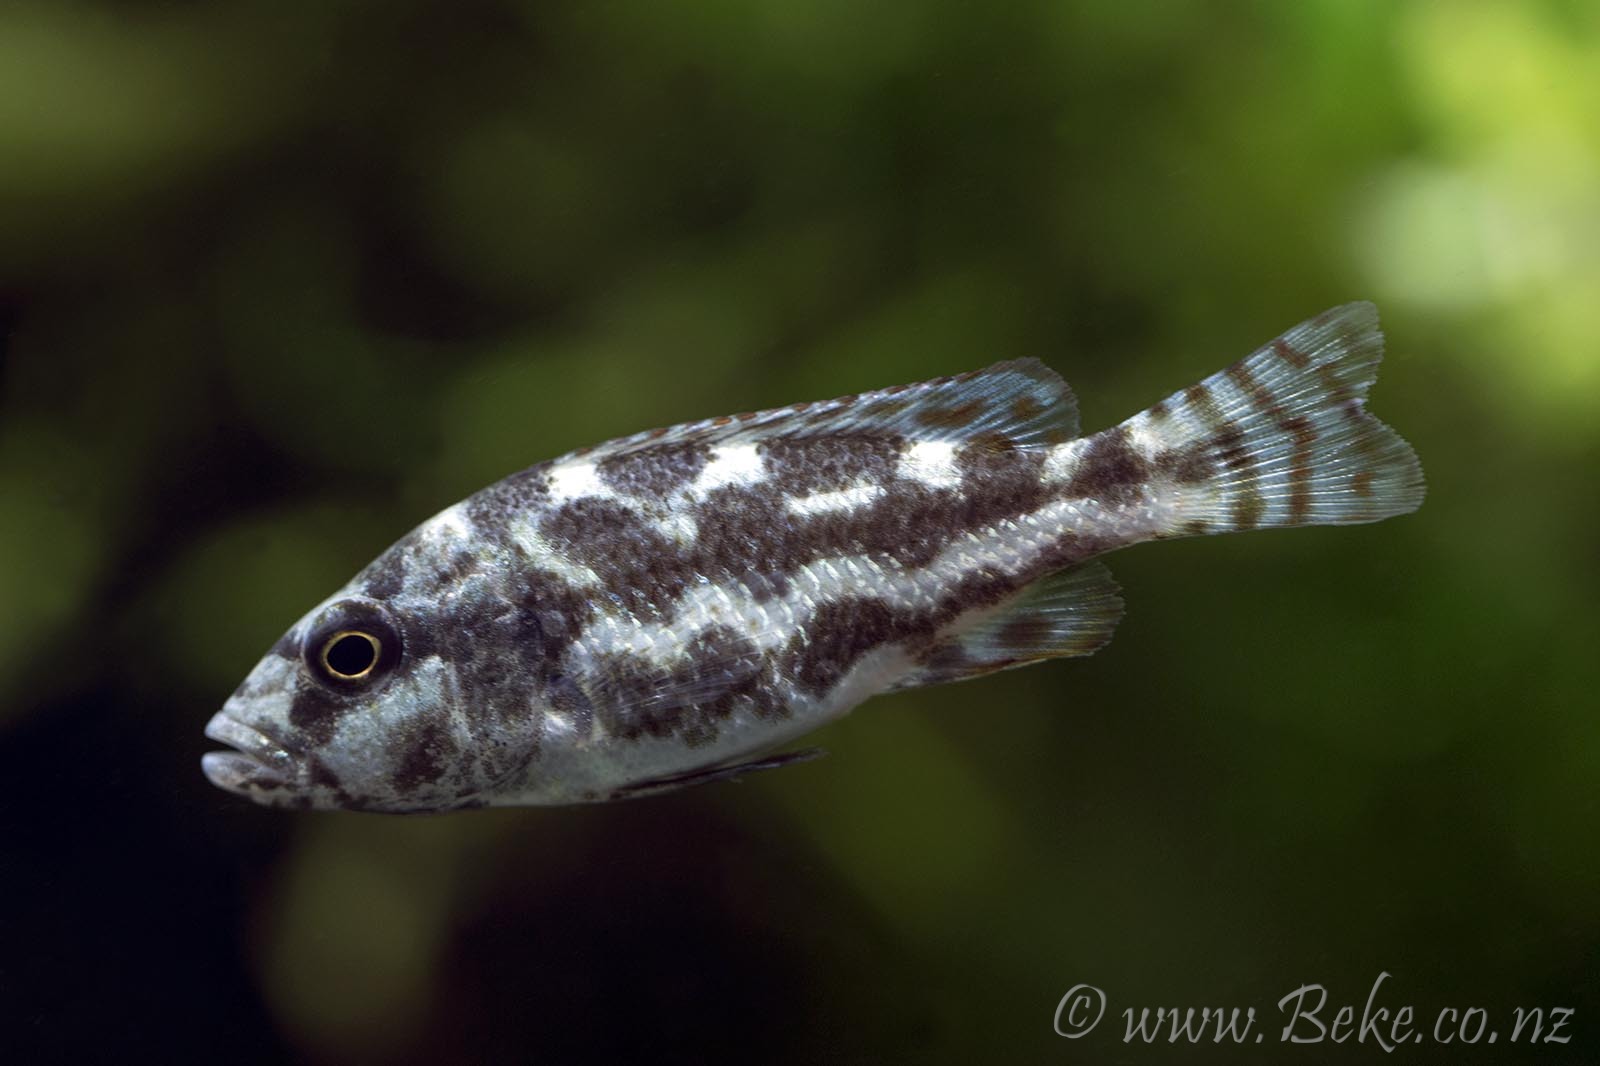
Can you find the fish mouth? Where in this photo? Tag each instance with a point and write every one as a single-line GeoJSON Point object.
{"type": "Point", "coordinates": [256, 763]}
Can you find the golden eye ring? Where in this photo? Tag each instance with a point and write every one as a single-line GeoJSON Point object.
{"type": "Point", "coordinates": [351, 655]}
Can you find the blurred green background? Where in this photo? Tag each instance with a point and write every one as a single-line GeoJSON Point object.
{"type": "Point", "coordinates": [279, 281]}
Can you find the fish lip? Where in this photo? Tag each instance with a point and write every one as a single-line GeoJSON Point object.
{"type": "Point", "coordinates": [256, 761]}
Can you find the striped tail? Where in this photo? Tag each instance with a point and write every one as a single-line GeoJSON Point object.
{"type": "Point", "coordinates": [1282, 437]}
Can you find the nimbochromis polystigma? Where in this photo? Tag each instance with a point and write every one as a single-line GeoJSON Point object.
{"type": "Point", "coordinates": [663, 609]}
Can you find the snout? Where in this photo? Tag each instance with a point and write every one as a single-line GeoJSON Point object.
{"type": "Point", "coordinates": [255, 767]}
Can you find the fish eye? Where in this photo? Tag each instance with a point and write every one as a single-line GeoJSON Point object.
{"type": "Point", "coordinates": [355, 647]}
{"type": "Point", "coordinates": [351, 654]}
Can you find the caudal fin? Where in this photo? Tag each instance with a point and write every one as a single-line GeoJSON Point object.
{"type": "Point", "coordinates": [1283, 437]}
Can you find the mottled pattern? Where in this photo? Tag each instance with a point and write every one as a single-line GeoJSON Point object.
{"type": "Point", "coordinates": [655, 473]}
{"type": "Point", "coordinates": [795, 466]}
{"type": "Point", "coordinates": [661, 609]}
{"type": "Point", "coordinates": [1110, 469]}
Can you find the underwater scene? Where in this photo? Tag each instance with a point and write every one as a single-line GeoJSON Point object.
{"type": "Point", "coordinates": [284, 285]}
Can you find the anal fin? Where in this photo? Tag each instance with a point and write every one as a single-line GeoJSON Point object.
{"type": "Point", "coordinates": [1069, 613]}
{"type": "Point", "coordinates": [721, 772]}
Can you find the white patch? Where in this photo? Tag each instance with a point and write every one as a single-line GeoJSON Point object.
{"type": "Point", "coordinates": [858, 495]}
{"type": "Point", "coordinates": [731, 464]}
{"type": "Point", "coordinates": [576, 481]}
{"type": "Point", "coordinates": [932, 462]}
{"type": "Point", "coordinates": [1063, 460]}
{"type": "Point", "coordinates": [355, 753]}
{"type": "Point", "coordinates": [680, 526]}
{"type": "Point", "coordinates": [1144, 438]}
{"type": "Point", "coordinates": [1230, 399]}
{"type": "Point", "coordinates": [449, 525]}
{"type": "Point", "coordinates": [542, 556]}
{"type": "Point", "coordinates": [871, 674]}
{"type": "Point", "coordinates": [267, 692]}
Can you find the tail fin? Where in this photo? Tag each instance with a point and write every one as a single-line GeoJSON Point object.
{"type": "Point", "coordinates": [1282, 437]}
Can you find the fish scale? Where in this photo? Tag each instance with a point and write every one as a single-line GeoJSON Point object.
{"type": "Point", "coordinates": [662, 609]}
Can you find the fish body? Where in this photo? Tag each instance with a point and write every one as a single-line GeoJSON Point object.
{"type": "Point", "coordinates": [662, 609]}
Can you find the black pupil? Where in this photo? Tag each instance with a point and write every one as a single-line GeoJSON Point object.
{"type": "Point", "coordinates": [352, 654]}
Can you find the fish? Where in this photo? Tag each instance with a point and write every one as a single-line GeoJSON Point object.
{"type": "Point", "coordinates": [674, 607]}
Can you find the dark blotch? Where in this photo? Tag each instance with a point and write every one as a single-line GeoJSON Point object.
{"type": "Point", "coordinates": [654, 472]}
{"type": "Point", "coordinates": [915, 524]}
{"type": "Point", "coordinates": [448, 574]}
{"type": "Point", "coordinates": [385, 576]}
{"type": "Point", "coordinates": [1188, 465]}
{"type": "Point", "coordinates": [803, 465]}
{"type": "Point", "coordinates": [1229, 445]}
{"type": "Point", "coordinates": [1290, 354]}
{"type": "Point", "coordinates": [503, 649]}
{"type": "Point", "coordinates": [749, 534]}
{"type": "Point", "coordinates": [688, 699]}
{"type": "Point", "coordinates": [1204, 406]}
{"type": "Point", "coordinates": [998, 481]}
{"type": "Point", "coordinates": [316, 713]}
{"type": "Point", "coordinates": [1300, 430]}
{"type": "Point", "coordinates": [886, 409]}
{"type": "Point", "coordinates": [746, 530]}
{"type": "Point", "coordinates": [1110, 470]}
{"type": "Point", "coordinates": [1247, 509]}
{"type": "Point", "coordinates": [840, 633]}
{"type": "Point", "coordinates": [958, 417]}
{"type": "Point", "coordinates": [1026, 408]}
{"type": "Point", "coordinates": [422, 755]}
{"type": "Point", "coordinates": [490, 509]}
{"type": "Point", "coordinates": [1259, 396]}
{"type": "Point", "coordinates": [766, 585]}
{"type": "Point", "coordinates": [1304, 435]}
{"type": "Point", "coordinates": [638, 564]}
{"type": "Point", "coordinates": [1339, 393]}
{"type": "Point", "coordinates": [1027, 632]}
{"type": "Point", "coordinates": [321, 776]}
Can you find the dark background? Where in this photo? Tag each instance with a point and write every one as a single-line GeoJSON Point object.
{"type": "Point", "coordinates": [279, 281]}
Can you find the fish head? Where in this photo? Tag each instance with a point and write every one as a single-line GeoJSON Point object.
{"type": "Point", "coordinates": [416, 697]}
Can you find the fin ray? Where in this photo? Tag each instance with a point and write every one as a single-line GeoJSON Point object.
{"type": "Point", "coordinates": [1022, 400]}
{"type": "Point", "coordinates": [720, 772]}
{"type": "Point", "coordinates": [1282, 437]}
{"type": "Point", "coordinates": [1069, 613]}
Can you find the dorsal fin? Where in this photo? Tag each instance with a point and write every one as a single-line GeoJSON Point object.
{"type": "Point", "coordinates": [1073, 612]}
{"type": "Point", "coordinates": [1023, 401]}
